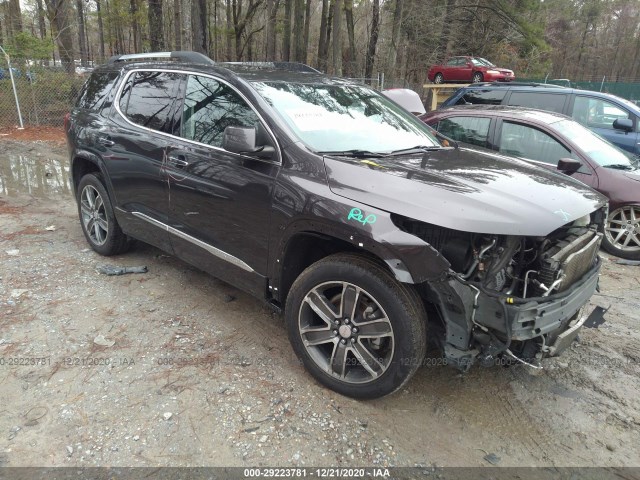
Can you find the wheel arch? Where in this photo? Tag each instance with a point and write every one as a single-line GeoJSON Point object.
{"type": "Point", "coordinates": [84, 162]}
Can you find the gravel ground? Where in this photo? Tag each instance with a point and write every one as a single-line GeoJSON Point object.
{"type": "Point", "coordinates": [175, 368]}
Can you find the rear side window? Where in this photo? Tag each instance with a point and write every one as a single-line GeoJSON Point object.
{"type": "Point", "coordinates": [95, 90]}
{"type": "Point", "coordinates": [528, 142]}
{"type": "Point", "coordinates": [209, 108]}
{"type": "Point", "coordinates": [472, 130]}
{"type": "Point", "coordinates": [482, 97]}
{"type": "Point", "coordinates": [552, 102]}
{"type": "Point", "coordinates": [146, 100]}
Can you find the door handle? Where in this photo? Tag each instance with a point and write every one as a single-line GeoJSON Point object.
{"type": "Point", "coordinates": [178, 161]}
{"type": "Point", "coordinates": [106, 141]}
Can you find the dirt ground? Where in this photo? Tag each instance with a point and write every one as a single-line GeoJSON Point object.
{"type": "Point", "coordinates": [175, 368]}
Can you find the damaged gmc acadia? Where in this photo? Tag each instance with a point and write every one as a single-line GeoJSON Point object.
{"type": "Point", "coordinates": [338, 207]}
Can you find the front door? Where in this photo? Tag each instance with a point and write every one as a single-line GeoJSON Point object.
{"type": "Point", "coordinates": [220, 201]}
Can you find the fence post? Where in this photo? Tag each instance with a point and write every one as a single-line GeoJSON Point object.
{"type": "Point", "coordinates": [13, 84]}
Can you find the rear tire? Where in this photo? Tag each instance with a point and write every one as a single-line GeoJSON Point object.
{"type": "Point", "coordinates": [477, 77]}
{"type": "Point", "coordinates": [356, 329]}
{"type": "Point", "coordinates": [439, 78]}
{"type": "Point", "coordinates": [97, 219]}
{"type": "Point", "coordinates": [622, 232]}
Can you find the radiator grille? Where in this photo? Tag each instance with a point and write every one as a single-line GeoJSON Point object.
{"type": "Point", "coordinates": [572, 261]}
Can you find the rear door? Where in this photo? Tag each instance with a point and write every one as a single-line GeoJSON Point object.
{"type": "Point", "coordinates": [135, 147]}
{"type": "Point", "coordinates": [599, 114]}
{"type": "Point", "coordinates": [220, 201]}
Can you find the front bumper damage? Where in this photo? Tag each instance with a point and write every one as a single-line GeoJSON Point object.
{"type": "Point", "coordinates": [480, 327]}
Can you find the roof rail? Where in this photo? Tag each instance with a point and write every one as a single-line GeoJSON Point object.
{"type": "Point", "coordinates": [182, 56]}
{"type": "Point", "coordinates": [289, 66]}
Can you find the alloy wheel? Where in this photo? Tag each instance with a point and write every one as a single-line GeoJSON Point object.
{"type": "Point", "coordinates": [346, 332]}
{"type": "Point", "coordinates": [623, 228]}
{"type": "Point", "coordinates": [94, 215]}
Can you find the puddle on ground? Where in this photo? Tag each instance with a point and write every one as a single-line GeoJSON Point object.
{"type": "Point", "coordinates": [37, 176]}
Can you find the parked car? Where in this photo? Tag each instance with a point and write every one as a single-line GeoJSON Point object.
{"type": "Point", "coordinates": [557, 142]}
{"type": "Point", "coordinates": [469, 69]}
{"type": "Point", "coordinates": [407, 99]}
{"type": "Point", "coordinates": [330, 202]}
{"type": "Point", "coordinates": [614, 118]}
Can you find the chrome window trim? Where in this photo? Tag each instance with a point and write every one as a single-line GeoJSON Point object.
{"type": "Point", "coordinates": [124, 81]}
{"type": "Point", "coordinates": [209, 248]}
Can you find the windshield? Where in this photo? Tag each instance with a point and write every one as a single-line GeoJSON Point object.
{"type": "Point", "coordinates": [598, 149]}
{"type": "Point", "coordinates": [332, 118]}
{"type": "Point", "coordinates": [481, 62]}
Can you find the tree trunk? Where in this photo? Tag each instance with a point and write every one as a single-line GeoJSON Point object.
{"type": "Point", "coordinates": [100, 31]}
{"type": "Point", "coordinates": [199, 30]}
{"type": "Point", "coordinates": [270, 34]}
{"type": "Point", "coordinates": [348, 15]}
{"type": "Point", "coordinates": [307, 23]}
{"type": "Point", "coordinates": [286, 34]}
{"type": "Point", "coordinates": [135, 25]}
{"type": "Point", "coordinates": [156, 30]}
{"type": "Point", "coordinates": [229, 31]}
{"type": "Point", "coordinates": [177, 24]}
{"type": "Point", "coordinates": [373, 42]}
{"type": "Point", "coordinates": [445, 34]}
{"type": "Point", "coordinates": [82, 43]}
{"type": "Point", "coordinates": [14, 25]}
{"type": "Point", "coordinates": [42, 26]}
{"type": "Point", "coordinates": [300, 49]}
{"type": "Point", "coordinates": [337, 38]}
{"type": "Point", "coordinates": [323, 42]}
{"type": "Point", "coordinates": [395, 39]}
{"type": "Point", "coordinates": [59, 21]}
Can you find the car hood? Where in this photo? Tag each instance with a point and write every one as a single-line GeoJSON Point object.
{"type": "Point", "coordinates": [465, 190]}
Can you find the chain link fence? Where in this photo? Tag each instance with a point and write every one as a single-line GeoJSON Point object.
{"type": "Point", "coordinates": [45, 94]}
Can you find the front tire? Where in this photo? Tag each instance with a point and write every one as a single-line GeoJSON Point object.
{"type": "Point", "coordinates": [439, 78]}
{"type": "Point", "coordinates": [357, 329]}
{"type": "Point", "coordinates": [477, 77]}
{"type": "Point", "coordinates": [97, 219]}
{"type": "Point", "coordinates": [622, 232]}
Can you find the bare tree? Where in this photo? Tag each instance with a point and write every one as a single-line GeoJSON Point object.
{"type": "Point", "coordinates": [82, 39]}
{"type": "Point", "coordinates": [373, 41]}
{"type": "Point", "coordinates": [270, 33]}
{"type": "Point", "coordinates": [156, 30]}
{"type": "Point", "coordinates": [286, 33]}
{"type": "Point", "coordinates": [177, 24]}
{"type": "Point", "coordinates": [348, 14]}
{"type": "Point", "coordinates": [199, 27]}
{"type": "Point", "coordinates": [57, 11]}
{"type": "Point", "coordinates": [323, 41]}
{"type": "Point", "coordinates": [396, 33]}
{"type": "Point", "coordinates": [337, 38]}
{"type": "Point", "coordinates": [300, 49]}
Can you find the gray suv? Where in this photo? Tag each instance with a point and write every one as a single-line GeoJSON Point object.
{"type": "Point", "coordinates": [334, 205]}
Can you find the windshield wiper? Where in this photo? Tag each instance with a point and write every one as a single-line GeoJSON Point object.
{"type": "Point", "coordinates": [355, 153]}
{"type": "Point", "coordinates": [620, 166]}
{"type": "Point", "coordinates": [417, 149]}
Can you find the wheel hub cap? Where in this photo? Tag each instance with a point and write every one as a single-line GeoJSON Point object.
{"type": "Point", "coordinates": [345, 331]}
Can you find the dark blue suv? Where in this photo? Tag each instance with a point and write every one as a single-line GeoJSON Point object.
{"type": "Point", "coordinates": [614, 118]}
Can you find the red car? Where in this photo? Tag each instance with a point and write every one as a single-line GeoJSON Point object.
{"type": "Point", "coordinates": [469, 70]}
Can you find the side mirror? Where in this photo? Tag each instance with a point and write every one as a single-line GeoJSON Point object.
{"type": "Point", "coordinates": [569, 165]}
{"type": "Point", "coordinates": [244, 140]}
{"type": "Point", "coordinates": [625, 124]}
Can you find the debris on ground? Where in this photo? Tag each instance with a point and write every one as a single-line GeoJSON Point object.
{"type": "Point", "coordinates": [103, 342]}
{"type": "Point", "coordinates": [112, 270]}
{"type": "Point", "coordinates": [622, 261]}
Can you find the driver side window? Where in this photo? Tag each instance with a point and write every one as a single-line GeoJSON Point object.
{"type": "Point", "coordinates": [210, 107]}
{"type": "Point", "coordinates": [594, 112]}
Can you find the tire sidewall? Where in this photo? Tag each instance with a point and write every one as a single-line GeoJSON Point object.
{"type": "Point", "coordinates": [107, 248]}
{"type": "Point", "coordinates": [406, 356]}
{"type": "Point", "coordinates": [438, 79]}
